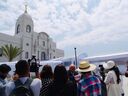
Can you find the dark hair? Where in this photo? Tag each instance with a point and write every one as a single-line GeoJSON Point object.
{"type": "Point", "coordinates": [22, 67]}
{"type": "Point", "coordinates": [4, 68]}
{"type": "Point", "coordinates": [46, 72]}
{"type": "Point", "coordinates": [60, 74]}
{"type": "Point", "coordinates": [101, 67]}
{"type": "Point", "coordinates": [117, 72]}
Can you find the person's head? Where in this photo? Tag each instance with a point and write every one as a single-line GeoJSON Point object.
{"type": "Point", "coordinates": [101, 67]}
{"type": "Point", "coordinates": [46, 72]}
{"type": "Point", "coordinates": [22, 68]}
{"type": "Point", "coordinates": [4, 70]}
{"type": "Point", "coordinates": [86, 67]}
{"type": "Point", "coordinates": [72, 67]}
{"type": "Point", "coordinates": [15, 77]}
{"type": "Point", "coordinates": [109, 65]}
{"type": "Point", "coordinates": [60, 74]}
{"type": "Point", "coordinates": [29, 60]}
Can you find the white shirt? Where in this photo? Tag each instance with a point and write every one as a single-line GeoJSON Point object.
{"type": "Point", "coordinates": [35, 86]}
{"type": "Point", "coordinates": [113, 89]}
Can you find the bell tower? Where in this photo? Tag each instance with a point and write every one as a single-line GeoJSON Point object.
{"type": "Point", "coordinates": [24, 24]}
{"type": "Point", "coordinates": [24, 29]}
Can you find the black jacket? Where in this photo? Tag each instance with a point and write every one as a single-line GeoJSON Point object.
{"type": "Point", "coordinates": [59, 89]}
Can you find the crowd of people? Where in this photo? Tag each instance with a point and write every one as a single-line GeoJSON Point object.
{"type": "Point", "coordinates": [81, 81]}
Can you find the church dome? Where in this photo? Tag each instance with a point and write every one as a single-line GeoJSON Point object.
{"type": "Point", "coordinates": [24, 24]}
{"type": "Point", "coordinates": [25, 16]}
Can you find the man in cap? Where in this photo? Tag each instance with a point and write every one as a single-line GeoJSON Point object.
{"type": "Point", "coordinates": [89, 85]}
{"type": "Point", "coordinates": [4, 70]}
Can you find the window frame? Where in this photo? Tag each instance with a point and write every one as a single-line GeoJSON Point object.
{"type": "Point", "coordinates": [26, 55]}
{"type": "Point", "coordinates": [18, 29]}
{"type": "Point", "coordinates": [28, 28]}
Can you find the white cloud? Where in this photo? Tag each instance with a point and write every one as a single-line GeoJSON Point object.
{"type": "Point", "coordinates": [59, 17]}
{"type": "Point", "coordinates": [109, 24]}
{"type": "Point", "coordinates": [97, 36]}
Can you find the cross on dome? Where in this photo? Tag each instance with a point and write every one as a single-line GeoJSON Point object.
{"type": "Point", "coordinates": [26, 5]}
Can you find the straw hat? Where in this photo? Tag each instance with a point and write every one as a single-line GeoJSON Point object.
{"type": "Point", "coordinates": [86, 67]}
{"type": "Point", "coordinates": [110, 64]}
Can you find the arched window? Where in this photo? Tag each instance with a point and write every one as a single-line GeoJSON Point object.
{"type": "Point", "coordinates": [26, 55]}
{"type": "Point", "coordinates": [28, 28]}
{"type": "Point", "coordinates": [18, 28]}
{"type": "Point", "coordinates": [50, 55]}
{"type": "Point", "coordinates": [43, 43]}
{"type": "Point", "coordinates": [43, 56]}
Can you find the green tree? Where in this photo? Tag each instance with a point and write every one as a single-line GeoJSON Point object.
{"type": "Point", "coordinates": [10, 51]}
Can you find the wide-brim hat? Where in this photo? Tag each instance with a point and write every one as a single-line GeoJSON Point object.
{"type": "Point", "coordinates": [109, 64]}
{"type": "Point", "coordinates": [86, 67]}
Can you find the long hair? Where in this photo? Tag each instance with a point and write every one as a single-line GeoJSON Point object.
{"type": "Point", "coordinates": [46, 72]}
{"type": "Point", "coordinates": [60, 74]}
{"type": "Point", "coordinates": [116, 70]}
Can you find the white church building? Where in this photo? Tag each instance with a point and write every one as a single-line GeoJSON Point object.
{"type": "Point", "coordinates": [32, 43]}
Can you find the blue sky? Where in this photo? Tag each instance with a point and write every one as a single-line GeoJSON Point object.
{"type": "Point", "coordinates": [94, 27]}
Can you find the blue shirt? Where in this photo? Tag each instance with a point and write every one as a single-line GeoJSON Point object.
{"type": "Point", "coordinates": [2, 87]}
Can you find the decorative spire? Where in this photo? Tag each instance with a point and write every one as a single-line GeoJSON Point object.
{"type": "Point", "coordinates": [26, 5]}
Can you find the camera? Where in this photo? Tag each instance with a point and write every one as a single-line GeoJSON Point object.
{"type": "Point", "coordinates": [34, 66]}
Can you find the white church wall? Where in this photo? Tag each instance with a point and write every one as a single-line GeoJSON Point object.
{"type": "Point", "coordinates": [26, 47]}
{"type": "Point", "coordinates": [7, 39]}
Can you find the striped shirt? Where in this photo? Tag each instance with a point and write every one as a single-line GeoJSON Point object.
{"type": "Point", "coordinates": [45, 85]}
{"type": "Point", "coordinates": [89, 85]}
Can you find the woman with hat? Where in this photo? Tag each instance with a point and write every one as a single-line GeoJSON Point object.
{"type": "Point", "coordinates": [112, 79]}
{"type": "Point", "coordinates": [89, 85]}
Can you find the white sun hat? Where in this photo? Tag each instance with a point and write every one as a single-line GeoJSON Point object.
{"type": "Point", "coordinates": [110, 64]}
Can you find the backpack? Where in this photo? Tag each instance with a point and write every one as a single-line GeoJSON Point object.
{"type": "Point", "coordinates": [22, 89]}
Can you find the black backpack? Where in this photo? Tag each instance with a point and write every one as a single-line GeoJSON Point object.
{"type": "Point", "coordinates": [22, 89]}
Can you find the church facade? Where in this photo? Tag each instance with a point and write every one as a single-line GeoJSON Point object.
{"type": "Point", "coordinates": [32, 43]}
